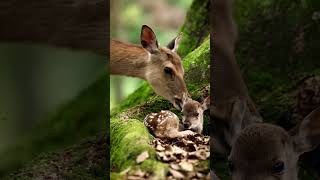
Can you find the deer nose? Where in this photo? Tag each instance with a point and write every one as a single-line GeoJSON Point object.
{"type": "Point", "coordinates": [186, 125]}
{"type": "Point", "coordinates": [178, 103]}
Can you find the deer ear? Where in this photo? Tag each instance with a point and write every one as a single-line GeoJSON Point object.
{"type": "Point", "coordinates": [174, 43]}
{"type": "Point", "coordinates": [231, 116]}
{"type": "Point", "coordinates": [306, 135]}
{"type": "Point", "coordinates": [148, 39]}
{"type": "Point", "coordinates": [228, 120]}
{"type": "Point", "coordinates": [206, 103]}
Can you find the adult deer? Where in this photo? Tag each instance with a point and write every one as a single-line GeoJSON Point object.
{"type": "Point", "coordinates": [257, 150]}
{"type": "Point", "coordinates": [160, 66]}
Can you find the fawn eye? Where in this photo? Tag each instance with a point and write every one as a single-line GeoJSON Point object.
{"type": "Point", "coordinates": [168, 71]}
{"type": "Point", "coordinates": [278, 167]}
{"type": "Point", "coordinates": [231, 166]}
{"type": "Point", "coordinates": [196, 114]}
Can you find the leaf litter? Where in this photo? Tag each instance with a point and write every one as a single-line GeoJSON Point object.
{"type": "Point", "coordinates": [184, 156]}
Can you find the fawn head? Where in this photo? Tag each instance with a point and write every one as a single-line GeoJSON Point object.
{"type": "Point", "coordinates": [193, 113]}
{"type": "Point", "coordinates": [268, 152]}
{"type": "Point", "coordinates": [164, 71]}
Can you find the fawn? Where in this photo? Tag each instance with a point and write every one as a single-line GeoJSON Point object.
{"type": "Point", "coordinates": [193, 114]}
{"type": "Point", "coordinates": [165, 124]}
{"type": "Point", "coordinates": [160, 66]}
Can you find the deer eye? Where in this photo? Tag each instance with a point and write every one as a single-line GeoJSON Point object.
{"type": "Point", "coordinates": [231, 166]}
{"type": "Point", "coordinates": [168, 71]}
{"type": "Point", "coordinates": [196, 114]}
{"type": "Point", "coordinates": [278, 167]}
{"type": "Point", "coordinates": [169, 56]}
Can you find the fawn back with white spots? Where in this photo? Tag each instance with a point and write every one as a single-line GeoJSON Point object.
{"type": "Point", "coordinates": [165, 124]}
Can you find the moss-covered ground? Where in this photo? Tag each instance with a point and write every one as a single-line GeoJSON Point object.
{"type": "Point", "coordinates": [71, 124]}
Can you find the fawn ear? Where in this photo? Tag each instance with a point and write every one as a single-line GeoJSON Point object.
{"type": "Point", "coordinates": [306, 135]}
{"type": "Point", "coordinates": [206, 103]}
{"type": "Point", "coordinates": [149, 40]}
{"type": "Point", "coordinates": [174, 43]}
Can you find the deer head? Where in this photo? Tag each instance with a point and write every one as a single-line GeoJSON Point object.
{"type": "Point", "coordinates": [160, 66]}
{"type": "Point", "coordinates": [266, 152]}
{"type": "Point", "coordinates": [164, 70]}
{"type": "Point", "coordinates": [193, 114]}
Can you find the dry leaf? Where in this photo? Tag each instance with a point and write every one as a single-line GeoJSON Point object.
{"type": "Point", "coordinates": [160, 148]}
{"type": "Point", "coordinates": [184, 154]}
{"type": "Point", "coordinates": [186, 166]}
{"type": "Point", "coordinates": [174, 166]}
{"type": "Point", "coordinates": [142, 157]}
{"type": "Point", "coordinates": [176, 174]}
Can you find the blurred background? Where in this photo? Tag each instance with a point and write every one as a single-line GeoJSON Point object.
{"type": "Point", "coordinates": [35, 83]}
{"type": "Point", "coordinates": [165, 17]}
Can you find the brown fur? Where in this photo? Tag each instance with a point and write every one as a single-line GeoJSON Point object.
{"type": "Point", "coordinates": [260, 146]}
{"type": "Point", "coordinates": [164, 124]}
{"type": "Point", "coordinates": [259, 151]}
{"type": "Point", "coordinates": [127, 59]}
{"type": "Point", "coordinates": [149, 62]}
{"type": "Point", "coordinates": [193, 114]}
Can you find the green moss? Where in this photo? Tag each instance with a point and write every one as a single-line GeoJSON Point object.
{"type": "Point", "coordinates": [80, 118]}
{"type": "Point", "coordinates": [198, 59]}
{"type": "Point", "coordinates": [137, 97]}
{"type": "Point", "coordinates": [128, 139]}
{"type": "Point", "coordinates": [220, 165]}
{"type": "Point", "coordinates": [83, 161]}
{"type": "Point", "coordinates": [277, 48]}
{"type": "Point", "coordinates": [116, 176]}
{"type": "Point", "coordinates": [195, 28]}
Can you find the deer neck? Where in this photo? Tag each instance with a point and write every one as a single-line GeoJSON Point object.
{"type": "Point", "coordinates": [128, 60]}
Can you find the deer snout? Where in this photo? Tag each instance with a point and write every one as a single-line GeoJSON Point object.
{"type": "Point", "coordinates": [186, 125]}
{"type": "Point", "coordinates": [178, 104]}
